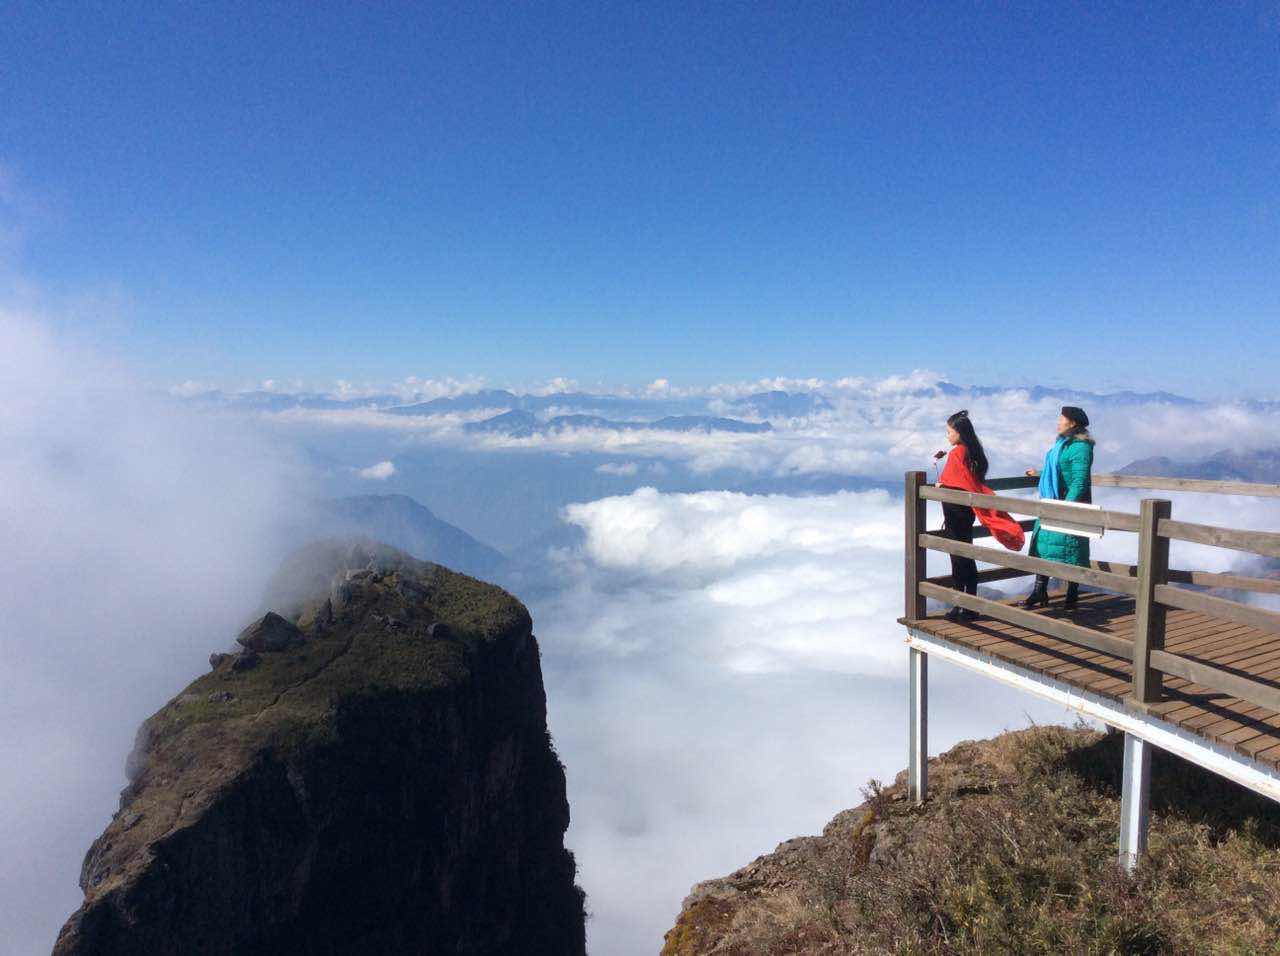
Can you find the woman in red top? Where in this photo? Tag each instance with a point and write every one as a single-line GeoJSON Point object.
{"type": "Point", "coordinates": [966, 469]}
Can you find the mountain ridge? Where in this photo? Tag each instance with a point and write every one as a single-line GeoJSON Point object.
{"type": "Point", "coordinates": [518, 423]}
{"type": "Point", "coordinates": [1253, 465]}
{"type": "Point", "coordinates": [764, 404]}
{"type": "Point", "coordinates": [405, 523]}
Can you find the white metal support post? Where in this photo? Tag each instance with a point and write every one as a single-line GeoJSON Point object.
{"type": "Point", "coordinates": [1135, 800]}
{"type": "Point", "coordinates": [918, 759]}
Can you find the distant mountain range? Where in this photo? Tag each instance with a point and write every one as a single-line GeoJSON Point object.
{"type": "Point", "coordinates": [632, 411]}
{"type": "Point", "coordinates": [1260, 465]}
{"type": "Point", "coordinates": [1038, 393]}
{"type": "Point", "coordinates": [779, 404]}
{"type": "Point", "coordinates": [616, 405]}
{"type": "Point", "coordinates": [522, 424]}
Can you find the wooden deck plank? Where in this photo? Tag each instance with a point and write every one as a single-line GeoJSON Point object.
{"type": "Point", "coordinates": [1252, 722]}
{"type": "Point", "coordinates": [1028, 648]}
{"type": "Point", "coordinates": [1208, 658]}
{"type": "Point", "coordinates": [1234, 637]}
{"type": "Point", "coordinates": [1242, 723]}
{"type": "Point", "coordinates": [1042, 652]}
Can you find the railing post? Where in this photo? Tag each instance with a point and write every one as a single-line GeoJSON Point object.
{"type": "Point", "coordinates": [1149, 614]}
{"type": "Point", "coordinates": [915, 555]}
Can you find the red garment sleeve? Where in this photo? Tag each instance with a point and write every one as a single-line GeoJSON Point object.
{"type": "Point", "coordinates": [956, 473]}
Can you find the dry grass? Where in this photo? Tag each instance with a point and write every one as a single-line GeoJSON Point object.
{"type": "Point", "coordinates": [1015, 853]}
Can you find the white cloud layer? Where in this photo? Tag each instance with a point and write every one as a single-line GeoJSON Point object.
{"type": "Point", "coordinates": [724, 672]}
{"type": "Point", "coordinates": [766, 583]}
{"type": "Point", "coordinates": [868, 427]}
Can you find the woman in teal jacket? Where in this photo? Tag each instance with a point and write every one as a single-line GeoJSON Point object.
{"type": "Point", "coordinates": [1066, 476]}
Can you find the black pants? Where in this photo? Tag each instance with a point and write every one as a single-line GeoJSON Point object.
{"type": "Point", "coordinates": [957, 523]}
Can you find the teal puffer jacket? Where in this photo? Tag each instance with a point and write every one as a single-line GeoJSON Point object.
{"type": "Point", "coordinates": [1075, 467]}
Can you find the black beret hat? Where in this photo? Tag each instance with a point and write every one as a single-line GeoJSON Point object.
{"type": "Point", "coordinates": [1076, 415]}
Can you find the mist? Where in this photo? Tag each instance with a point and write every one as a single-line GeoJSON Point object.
{"type": "Point", "coordinates": [136, 539]}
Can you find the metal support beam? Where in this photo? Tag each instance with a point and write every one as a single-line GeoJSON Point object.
{"type": "Point", "coordinates": [918, 759]}
{"type": "Point", "coordinates": [1135, 800]}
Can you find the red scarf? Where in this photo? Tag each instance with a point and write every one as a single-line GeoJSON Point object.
{"type": "Point", "coordinates": [956, 474]}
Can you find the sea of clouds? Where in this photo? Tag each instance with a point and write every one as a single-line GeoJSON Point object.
{"type": "Point", "coordinates": [724, 669]}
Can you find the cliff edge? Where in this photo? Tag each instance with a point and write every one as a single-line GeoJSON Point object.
{"type": "Point", "coordinates": [371, 772]}
{"type": "Point", "coordinates": [1014, 852]}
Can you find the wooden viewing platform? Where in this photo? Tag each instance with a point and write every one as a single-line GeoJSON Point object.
{"type": "Point", "coordinates": [1149, 651]}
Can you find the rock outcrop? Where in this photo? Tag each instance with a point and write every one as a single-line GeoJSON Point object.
{"type": "Point", "coordinates": [271, 632]}
{"type": "Point", "coordinates": [381, 780]}
{"type": "Point", "coordinates": [1014, 852]}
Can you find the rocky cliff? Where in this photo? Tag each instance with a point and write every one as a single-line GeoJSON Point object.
{"type": "Point", "coordinates": [370, 773]}
{"type": "Point", "coordinates": [1013, 853]}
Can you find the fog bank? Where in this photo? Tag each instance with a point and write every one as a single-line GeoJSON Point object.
{"type": "Point", "coordinates": [136, 538]}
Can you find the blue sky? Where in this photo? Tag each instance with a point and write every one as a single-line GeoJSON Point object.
{"type": "Point", "coordinates": [704, 192]}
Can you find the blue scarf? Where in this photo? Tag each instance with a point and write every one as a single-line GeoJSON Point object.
{"type": "Point", "coordinates": [1049, 487]}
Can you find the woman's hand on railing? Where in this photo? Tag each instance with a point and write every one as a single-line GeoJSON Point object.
{"type": "Point", "coordinates": [1033, 472]}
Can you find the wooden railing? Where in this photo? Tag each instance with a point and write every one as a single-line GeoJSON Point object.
{"type": "Point", "coordinates": [1152, 584]}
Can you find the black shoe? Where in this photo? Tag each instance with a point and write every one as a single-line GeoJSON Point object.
{"type": "Point", "coordinates": [1039, 597]}
{"type": "Point", "coordinates": [1073, 595]}
{"type": "Point", "coordinates": [955, 615]}
{"type": "Point", "coordinates": [968, 615]}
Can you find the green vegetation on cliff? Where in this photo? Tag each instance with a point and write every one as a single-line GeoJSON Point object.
{"type": "Point", "coordinates": [367, 613]}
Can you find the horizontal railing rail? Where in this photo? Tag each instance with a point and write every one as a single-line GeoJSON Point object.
{"type": "Point", "coordinates": [1224, 608]}
{"type": "Point", "coordinates": [984, 577]}
{"type": "Point", "coordinates": [1157, 483]}
{"type": "Point", "coordinates": [1266, 543]}
{"type": "Point", "coordinates": [1250, 489]}
{"type": "Point", "coordinates": [1012, 484]}
{"type": "Point", "coordinates": [1152, 584]}
{"type": "Point", "coordinates": [980, 532]}
{"type": "Point", "coordinates": [1204, 579]}
{"type": "Point", "coordinates": [1029, 565]}
{"type": "Point", "coordinates": [1220, 580]}
{"type": "Point", "coordinates": [1094, 518]}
